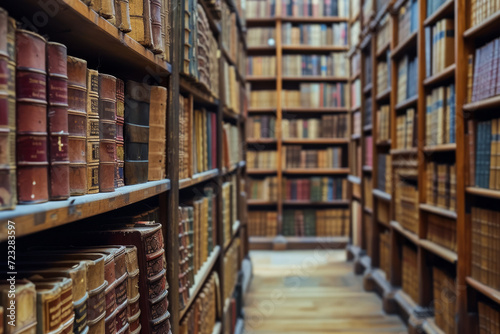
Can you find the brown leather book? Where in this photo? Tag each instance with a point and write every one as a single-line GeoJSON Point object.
{"type": "Point", "coordinates": [122, 15]}
{"type": "Point", "coordinates": [133, 295]}
{"type": "Point", "coordinates": [57, 94]}
{"type": "Point", "coordinates": [157, 134]}
{"type": "Point", "coordinates": [25, 301]}
{"type": "Point", "coordinates": [92, 131]}
{"type": "Point", "coordinates": [108, 10]}
{"type": "Point", "coordinates": [1, 320]}
{"type": "Point", "coordinates": [136, 132]}
{"type": "Point", "coordinates": [140, 21]}
{"type": "Point", "coordinates": [166, 28]}
{"type": "Point", "coordinates": [107, 130]}
{"type": "Point", "coordinates": [120, 119]}
{"type": "Point", "coordinates": [77, 125]}
{"type": "Point", "coordinates": [31, 141]}
{"type": "Point", "coordinates": [156, 26]}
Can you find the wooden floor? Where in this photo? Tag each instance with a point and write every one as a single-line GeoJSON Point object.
{"type": "Point", "coordinates": [311, 292]}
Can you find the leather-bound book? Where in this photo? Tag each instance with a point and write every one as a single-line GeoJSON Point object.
{"type": "Point", "coordinates": [77, 125]}
{"type": "Point", "coordinates": [156, 26]}
{"type": "Point", "coordinates": [122, 13]}
{"type": "Point", "coordinates": [137, 99]}
{"type": "Point", "coordinates": [157, 134]}
{"type": "Point", "coordinates": [120, 119]}
{"type": "Point", "coordinates": [133, 295]}
{"type": "Point", "coordinates": [25, 301]}
{"type": "Point", "coordinates": [107, 130]}
{"type": "Point", "coordinates": [165, 28]}
{"type": "Point", "coordinates": [108, 10]}
{"type": "Point", "coordinates": [31, 95]}
{"type": "Point", "coordinates": [140, 21]}
{"type": "Point", "coordinates": [92, 131]}
{"type": "Point", "coordinates": [57, 82]}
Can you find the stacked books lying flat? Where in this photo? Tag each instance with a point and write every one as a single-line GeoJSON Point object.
{"type": "Point", "coordinates": [328, 126]}
{"type": "Point", "coordinates": [317, 95]}
{"type": "Point", "coordinates": [311, 8]}
{"type": "Point", "coordinates": [334, 64]}
{"type": "Point", "coordinates": [315, 34]}
{"type": "Point", "coordinates": [262, 223]}
{"type": "Point", "coordinates": [296, 156]}
{"type": "Point", "coordinates": [265, 189]}
{"type": "Point", "coordinates": [321, 222]}
{"type": "Point", "coordinates": [315, 189]}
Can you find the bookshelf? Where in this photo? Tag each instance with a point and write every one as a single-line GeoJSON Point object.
{"type": "Point", "coordinates": [90, 36]}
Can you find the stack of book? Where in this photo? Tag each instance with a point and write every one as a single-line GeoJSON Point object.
{"type": "Point", "coordinates": [484, 82]}
{"type": "Point", "coordinates": [445, 297]}
{"type": "Point", "coordinates": [440, 116]}
{"type": "Point", "coordinates": [315, 34]}
{"type": "Point", "coordinates": [260, 9]}
{"type": "Point", "coordinates": [442, 231]}
{"type": "Point", "coordinates": [313, 8]}
{"type": "Point", "coordinates": [331, 65]}
{"type": "Point", "coordinates": [384, 176]}
{"type": "Point", "coordinates": [263, 66]}
{"type": "Point", "coordinates": [263, 99]}
{"type": "Point", "coordinates": [317, 95]}
{"type": "Point", "coordinates": [321, 222]}
{"type": "Point", "coordinates": [367, 190]}
{"type": "Point", "coordinates": [261, 36]}
{"type": "Point", "coordinates": [488, 317]}
{"type": "Point", "coordinates": [485, 153]}
{"type": "Point", "coordinates": [368, 151]}
{"type": "Point", "coordinates": [385, 252]}
{"type": "Point", "coordinates": [383, 123]}
{"type": "Point", "coordinates": [407, 20]}
{"type": "Point", "coordinates": [406, 201]}
{"type": "Point", "coordinates": [328, 126]}
{"type": "Point", "coordinates": [263, 189]}
{"type": "Point", "coordinates": [481, 10]}
{"type": "Point", "coordinates": [441, 185]}
{"type": "Point", "coordinates": [383, 76]}
{"type": "Point", "coordinates": [261, 159]}
{"type": "Point", "coordinates": [407, 78]}
{"type": "Point", "coordinates": [231, 268]}
{"type": "Point", "coordinates": [409, 270]}
{"type": "Point", "coordinates": [261, 127]}
{"type": "Point", "coordinates": [295, 156]}
{"type": "Point", "coordinates": [262, 223]}
{"type": "Point", "coordinates": [315, 189]}
{"type": "Point", "coordinates": [406, 130]}
{"type": "Point", "coordinates": [439, 46]}
{"type": "Point", "coordinates": [231, 145]}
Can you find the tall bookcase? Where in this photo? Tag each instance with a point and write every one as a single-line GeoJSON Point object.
{"type": "Point", "coordinates": [91, 37]}
{"type": "Point", "coordinates": [281, 111]}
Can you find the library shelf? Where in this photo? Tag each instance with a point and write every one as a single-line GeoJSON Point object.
{"type": "Point", "coordinates": [200, 278]}
{"type": "Point", "coordinates": [356, 136]}
{"type": "Point", "coordinates": [260, 20]}
{"type": "Point", "coordinates": [356, 197]}
{"type": "Point", "coordinates": [489, 292]}
{"type": "Point", "coordinates": [444, 11]}
{"type": "Point", "coordinates": [407, 103]}
{"type": "Point", "coordinates": [217, 328]}
{"type": "Point", "coordinates": [437, 79]}
{"type": "Point", "coordinates": [406, 45]}
{"type": "Point", "coordinates": [438, 211]}
{"type": "Point", "coordinates": [387, 225]}
{"type": "Point", "coordinates": [384, 143]}
{"type": "Point", "coordinates": [368, 210]}
{"type": "Point", "coordinates": [367, 169]}
{"type": "Point", "coordinates": [408, 234]}
{"type": "Point", "coordinates": [314, 78]}
{"type": "Point", "coordinates": [259, 202]}
{"type": "Point", "coordinates": [489, 103]}
{"type": "Point", "coordinates": [380, 14]}
{"type": "Point", "coordinates": [407, 307]}
{"type": "Point", "coordinates": [312, 48]}
{"type": "Point", "coordinates": [314, 203]}
{"type": "Point", "coordinates": [408, 164]}
{"type": "Point", "coordinates": [230, 170]}
{"type": "Point", "coordinates": [368, 128]}
{"type": "Point", "coordinates": [234, 232]}
{"type": "Point", "coordinates": [214, 24]}
{"type": "Point", "coordinates": [31, 218]}
{"type": "Point", "coordinates": [320, 141]}
{"type": "Point", "coordinates": [316, 171]}
{"type": "Point", "coordinates": [404, 151]}
{"type": "Point", "coordinates": [354, 179]}
{"type": "Point", "coordinates": [229, 114]}
{"type": "Point", "coordinates": [429, 325]}
{"type": "Point", "coordinates": [365, 42]}
{"type": "Point", "coordinates": [261, 48]}
{"type": "Point", "coordinates": [261, 110]}
{"type": "Point", "coordinates": [228, 57]}
{"type": "Point", "coordinates": [487, 26]}
{"type": "Point", "coordinates": [261, 171]}
{"type": "Point", "coordinates": [382, 52]}
{"type": "Point", "coordinates": [483, 192]}
{"type": "Point", "coordinates": [440, 148]}
{"type": "Point", "coordinates": [281, 242]}
{"type": "Point", "coordinates": [254, 141]}
{"type": "Point", "coordinates": [367, 89]}
{"type": "Point", "coordinates": [397, 5]}
{"type": "Point", "coordinates": [199, 92]}
{"type": "Point", "coordinates": [439, 250]}
{"type": "Point", "coordinates": [384, 95]}
{"type": "Point", "coordinates": [324, 19]}
{"type": "Point", "coordinates": [315, 109]}
{"type": "Point", "coordinates": [376, 280]}
{"type": "Point", "coordinates": [356, 76]}
{"type": "Point", "coordinates": [198, 178]}
{"type": "Point", "coordinates": [255, 78]}
{"type": "Point", "coordinates": [381, 195]}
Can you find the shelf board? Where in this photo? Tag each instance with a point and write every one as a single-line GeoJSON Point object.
{"type": "Point", "coordinates": [315, 110]}
{"type": "Point", "coordinates": [311, 203]}
{"type": "Point", "coordinates": [282, 242]}
{"type": "Point", "coordinates": [260, 20]}
{"type": "Point", "coordinates": [200, 278]}
{"type": "Point", "coordinates": [261, 48]}
{"type": "Point", "coordinates": [258, 202]}
{"type": "Point", "coordinates": [198, 178]}
{"type": "Point", "coordinates": [325, 141]}
{"type": "Point", "coordinates": [312, 48]}
{"type": "Point", "coordinates": [199, 92]}
{"type": "Point", "coordinates": [489, 103]}
{"type": "Point", "coordinates": [429, 326]}
{"type": "Point", "coordinates": [229, 114]}
{"type": "Point", "coordinates": [368, 169]}
{"type": "Point", "coordinates": [491, 293]}
{"type": "Point", "coordinates": [232, 169]}
{"type": "Point", "coordinates": [368, 128]}
{"type": "Point", "coordinates": [440, 251]}
{"type": "Point", "coordinates": [404, 151]}
{"type": "Point", "coordinates": [368, 210]}
{"type": "Point", "coordinates": [440, 148]}
{"type": "Point", "coordinates": [438, 78]}
{"type": "Point", "coordinates": [261, 110]}
{"type": "Point", "coordinates": [316, 171]}
{"type": "Point", "coordinates": [356, 136]}
{"type": "Point", "coordinates": [234, 231]}
{"type": "Point", "coordinates": [408, 234]}
{"type": "Point", "coordinates": [255, 78]}
{"type": "Point", "coordinates": [438, 211]}
{"type": "Point", "coordinates": [445, 10]}
{"type": "Point", "coordinates": [384, 143]}
{"type": "Point", "coordinates": [383, 50]}
{"type": "Point", "coordinates": [485, 27]}
{"type": "Point", "coordinates": [33, 218]}
{"type": "Point", "coordinates": [384, 95]}
{"type": "Point", "coordinates": [483, 192]}
{"type": "Point", "coordinates": [311, 78]}
{"type": "Point", "coordinates": [354, 179]}
{"type": "Point", "coordinates": [261, 171]}
{"type": "Point", "coordinates": [251, 141]}
{"type": "Point", "coordinates": [242, 164]}
{"type": "Point", "coordinates": [381, 195]}
{"type": "Point", "coordinates": [408, 44]}
{"type": "Point", "coordinates": [407, 103]}
{"type": "Point", "coordinates": [367, 89]}
{"type": "Point", "coordinates": [217, 328]}
{"type": "Point", "coordinates": [324, 19]}
{"type": "Point", "coordinates": [356, 76]}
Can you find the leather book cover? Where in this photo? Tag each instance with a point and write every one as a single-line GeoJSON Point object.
{"type": "Point", "coordinates": [25, 299]}
{"type": "Point", "coordinates": [122, 13]}
{"type": "Point", "coordinates": [140, 21]}
{"type": "Point", "coordinates": [107, 130]}
{"type": "Point", "coordinates": [92, 131]}
{"type": "Point", "coordinates": [156, 26]}
{"type": "Point", "coordinates": [58, 121]}
{"type": "Point", "coordinates": [77, 125]}
{"type": "Point", "coordinates": [157, 134]}
{"type": "Point", "coordinates": [120, 119]}
{"type": "Point", "coordinates": [166, 28]}
{"type": "Point", "coordinates": [136, 132]}
{"type": "Point", "coordinates": [31, 116]}
{"type": "Point", "coordinates": [107, 10]}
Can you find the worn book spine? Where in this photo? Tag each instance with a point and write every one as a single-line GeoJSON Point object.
{"type": "Point", "coordinates": [156, 26]}
{"type": "Point", "coordinates": [77, 125]}
{"type": "Point", "coordinates": [31, 95]}
{"type": "Point", "coordinates": [108, 10]}
{"type": "Point", "coordinates": [48, 307]}
{"type": "Point", "coordinates": [166, 28]}
{"type": "Point", "coordinates": [92, 131]}
{"type": "Point", "coordinates": [57, 99]}
{"type": "Point", "coordinates": [157, 134]}
{"type": "Point", "coordinates": [107, 130]}
{"type": "Point", "coordinates": [140, 21]}
{"type": "Point", "coordinates": [120, 120]}
{"type": "Point", "coordinates": [122, 13]}
{"type": "Point", "coordinates": [25, 301]}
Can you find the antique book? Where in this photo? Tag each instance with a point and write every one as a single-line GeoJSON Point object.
{"type": "Point", "coordinates": [107, 132]}
{"type": "Point", "coordinates": [140, 21]}
{"type": "Point", "coordinates": [92, 131]}
{"type": "Point", "coordinates": [136, 132]}
{"type": "Point", "coordinates": [157, 134]}
{"type": "Point", "coordinates": [166, 28]}
{"type": "Point", "coordinates": [156, 26]}
{"type": "Point", "coordinates": [107, 10]}
{"type": "Point", "coordinates": [31, 96]}
{"type": "Point", "coordinates": [133, 295]}
{"type": "Point", "coordinates": [77, 125]}
{"type": "Point", "coordinates": [120, 119]}
{"type": "Point", "coordinates": [25, 301]}
{"type": "Point", "coordinates": [122, 13]}
{"type": "Point", "coordinates": [58, 121]}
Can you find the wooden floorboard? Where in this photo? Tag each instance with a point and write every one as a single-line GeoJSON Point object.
{"type": "Point", "coordinates": [312, 292]}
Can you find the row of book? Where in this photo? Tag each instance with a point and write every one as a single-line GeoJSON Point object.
{"type": "Point", "coordinates": [229, 208]}
{"type": "Point", "coordinates": [368, 190]}
{"type": "Point", "coordinates": [442, 231]}
{"type": "Point", "coordinates": [384, 172]}
{"type": "Point", "coordinates": [230, 35]}
{"type": "Point", "coordinates": [356, 93]}
{"type": "Point", "coordinates": [489, 317]}
{"type": "Point", "coordinates": [383, 76]}
{"type": "Point", "coordinates": [485, 246]}
{"type": "Point", "coordinates": [262, 223]}
{"type": "Point", "coordinates": [441, 185]}
{"type": "Point", "coordinates": [315, 34]}
{"type": "Point", "coordinates": [317, 95]}
{"type": "Point", "coordinates": [315, 189]}
{"type": "Point", "coordinates": [440, 116]}
{"type": "Point", "coordinates": [368, 151]}
{"type": "Point", "coordinates": [261, 159]}
{"type": "Point", "coordinates": [384, 34]}
{"type": "Point", "coordinates": [385, 252]}
{"type": "Point", "coordinates": [409, 269]}
{"type": "Point", "coordinates": [328, 126]}
{"type": "Point", "coordinates": [445, 297]}
{"type": "Point", "coordinates": [355, 33]}
{"type": "Point", "coordinates": [263, 99]}
{"type": "Point", "coordinates": [261, 36]}
{"type": "Point", "coordinates": [407, 20]}
{"type": "Point", "coordinates": [480, 10]}
{"type": "Point", "coordinates": [485, 153]}
{"type": "Point", "coordinates": [261, 66]}
{"type": "Point", "coordinates": [406, 129]}
{"type": "Point", "coordinates": [260, 9]}
{"type": "Point", "coordinates": [334, 64]}
{"type": "Point", "coordinates": [407, 78]}
{"type": "Point", "coordinates": [439, 46]}
{"type": "Point", "coordinates": [296, 156]}
{"type": "Point", "coordinates": [356, 123]}
{"type": "Point", "coordinates": [356, 161]}
{"type": "Point", "coordinates": [232, 262]}
{"type": "Point", "coordinates": [383, 123]}
{"type": "Point", "coordinates": [484, 81]}
{"type": "Point", "coordinates": [315, 8]}
{"type": "Point", "coordinates": [265, 189]}
{"type": "Point", "coordinates": [232, 151]}
{"type": "Point", "coordinates": [407, 204]}
{"type": "Point", "coordinates": [261, 127]}
{"type": "Point", "coordinates": [320, 222]}
{"type": "Point", "coordinates": [232, 89]}
{"type": "Point", "coordinates": [69, 130]}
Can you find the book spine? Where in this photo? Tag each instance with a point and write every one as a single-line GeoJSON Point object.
{"type": "Point", "coordinates": [140, 21]}
{"type": "Point", "coordinates": [156, 26]}
{"type": "Point", "coordinates": [92, 132]}
{"type": "Point", "coordinates": [107, 132]}
{"type": "Point", "coordinates": [123, 15]}
{"type": "Point", "coordinates": [120, 121]}
{"type": "Point", "coordinates": [157, 134]}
